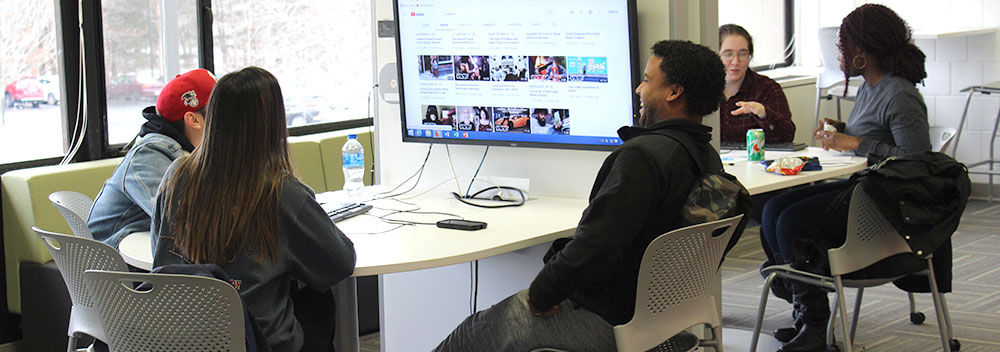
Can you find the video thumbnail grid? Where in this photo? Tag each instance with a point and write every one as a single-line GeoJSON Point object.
{"type": "Point", "coordinates": [543, 121]}
{"type": "Point", "coordinates": [513, 68]}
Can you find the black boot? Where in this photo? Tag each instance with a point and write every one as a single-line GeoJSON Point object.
{"type": "Point", "coordinates": [787, 334]}
{"type": "Point", "coordinates": [810, 339]}
{"type": "Point", "coordinates": [814, 311]}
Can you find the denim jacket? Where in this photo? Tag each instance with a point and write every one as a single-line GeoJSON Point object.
{"type": "Point", "coordinates": [125, 204]}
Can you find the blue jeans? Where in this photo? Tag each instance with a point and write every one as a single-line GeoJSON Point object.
{"type": "Point", "coordinates": [509, 326]}
{"type": "Point", "coordinates": [787, 218]}
{"type": "Point", "coordinates": [794, 215]}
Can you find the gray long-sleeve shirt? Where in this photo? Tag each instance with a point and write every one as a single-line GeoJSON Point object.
{"type": "Point", "coordinates": [890, 117]}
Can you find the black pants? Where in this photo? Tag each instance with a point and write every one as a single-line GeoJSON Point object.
{"type": "Point", "coordinates": [792, 216]}
{"type": "Point", "coordinates": [315, 312]}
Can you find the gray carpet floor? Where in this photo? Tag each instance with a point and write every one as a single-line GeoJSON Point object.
{"type": "Point", "coordinates": [884, 324]}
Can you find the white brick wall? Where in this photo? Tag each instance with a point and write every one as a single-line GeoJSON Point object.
{"type": "Point", "coordinates": [952, 49]}
{"type": "Point", "coordinates": [957, 63]}
{"type": "Point", "coordinates": [938, 81]}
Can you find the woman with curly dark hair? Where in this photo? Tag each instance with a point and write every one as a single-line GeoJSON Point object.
{"type": "Point", "coordinates": [889, 118]}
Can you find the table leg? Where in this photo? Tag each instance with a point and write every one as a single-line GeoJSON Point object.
{"type": "Point", "coordinates": [345, 296]}
{"type": "Point", "coordinates": [993, 160]}
{"type": "Point", "coordinates": [838, 109]}
{"type": "Point", "coordinates": [716, 290]}
{"type": "Point", "coordinates": [961, 123]}
{"type": "Point", "coordinates": [812, 141]}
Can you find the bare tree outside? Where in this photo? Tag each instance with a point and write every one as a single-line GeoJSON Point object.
{"type": "Point", "coordinates": [27, 39]}
{"type": "Point", "coordinates": [319, 50]}
{"type": "Point", "coordinates": [29, 124]}
{"type": "Point", "coordinates": [135, 64]}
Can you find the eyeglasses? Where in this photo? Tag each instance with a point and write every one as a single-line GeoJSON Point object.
{"type": "Point", "coordinates": [729, 55]}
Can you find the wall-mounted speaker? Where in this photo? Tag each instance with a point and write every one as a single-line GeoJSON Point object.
{"type": "Point", "coordinates": [388, 83]}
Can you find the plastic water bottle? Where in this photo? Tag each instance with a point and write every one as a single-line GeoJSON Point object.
{"type": "Point", "coordinates": [354, 165]}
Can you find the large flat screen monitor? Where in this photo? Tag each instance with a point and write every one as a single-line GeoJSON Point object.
{"type": "Point", "coordinates": [555, 73]}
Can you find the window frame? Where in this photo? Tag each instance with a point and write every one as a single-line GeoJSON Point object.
{"type": "Point", "coordinates": [789, 37]}
{"type": "Point", "coordinates": [95, 144]}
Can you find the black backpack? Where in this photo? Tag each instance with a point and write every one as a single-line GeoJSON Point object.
{"type": "Point", "coordinates": [715, 194]}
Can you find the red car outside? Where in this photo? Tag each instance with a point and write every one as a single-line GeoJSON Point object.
{"type": "Point", "coordinates": [132, 88]}
{"type": "Point", "coordinates": [23, 91]}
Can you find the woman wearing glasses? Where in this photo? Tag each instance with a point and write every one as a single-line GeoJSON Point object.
{"type": "Point", "coordinates": [752, 100]}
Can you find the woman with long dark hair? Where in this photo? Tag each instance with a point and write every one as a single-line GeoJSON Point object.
{"type": "Point", "coordinates": [234, 202]}
{"type": "Point", "coordinates": [889, 118]}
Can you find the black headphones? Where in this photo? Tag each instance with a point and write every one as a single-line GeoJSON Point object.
{"type": "Point", "coordinates": [517, 203]}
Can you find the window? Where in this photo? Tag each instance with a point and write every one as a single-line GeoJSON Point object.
{"type": "Point", "coordinates": [145, 45]}
{"type": "Point", "coordinates": [320, 51]}
{"type": "Point", "coordinates": [30, 118]}
{"type": "Point", "coordinates": [325, 69]}
{"type": "Point", "coordinates": [769, 23]}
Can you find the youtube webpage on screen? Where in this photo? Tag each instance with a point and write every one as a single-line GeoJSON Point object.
{"type": "Point", "coordinates": [517, 71]}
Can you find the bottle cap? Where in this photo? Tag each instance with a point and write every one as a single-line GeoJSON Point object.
{"type": "Point", "coordinates": [352, 136]}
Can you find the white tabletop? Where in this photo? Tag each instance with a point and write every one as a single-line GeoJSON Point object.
{"type": "Point", "coordinates": [541, 220]}
{"type": "Point", "coordinates": [757, 181]}
{"type": "Point", "coordinates": [136, 250]}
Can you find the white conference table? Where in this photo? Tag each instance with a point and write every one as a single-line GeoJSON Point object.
{"type": "Point", "coordinates": [510, 229]}
{"type": "Point", "coordinates": [137, 250]}
{"type": "Point", "coordinates": [757, 181]}
{"type": "Point", "coordinates": [419, 247]}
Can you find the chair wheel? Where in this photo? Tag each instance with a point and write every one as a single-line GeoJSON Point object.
{"type": "Point", "coordinates": [955, 345]}
{"type": "Point", "coordinates": [832, 348]}
{"type": "Point", "coordinates": [917, 318]}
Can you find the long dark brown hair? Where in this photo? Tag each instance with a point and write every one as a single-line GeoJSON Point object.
{"type": "Point", "coordinates": [223, 198]}
{"type": "Point", "coordinates": [880, 33]}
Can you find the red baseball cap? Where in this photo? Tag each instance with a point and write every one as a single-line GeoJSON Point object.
{"type": "Point", "coordinates": [186, 92]}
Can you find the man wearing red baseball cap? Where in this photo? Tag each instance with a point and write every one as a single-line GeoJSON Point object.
{"type": "Point", "coordinates": [173, 128]}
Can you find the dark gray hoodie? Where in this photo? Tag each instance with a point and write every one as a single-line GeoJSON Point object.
{"type": "Point", "coordinates": [311, 249]}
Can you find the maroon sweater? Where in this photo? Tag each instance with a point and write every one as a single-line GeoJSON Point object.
{"type": "Point", "coordinates": [778, 126]}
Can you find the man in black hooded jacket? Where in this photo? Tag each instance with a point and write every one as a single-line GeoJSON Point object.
{"type": "Point", "coordinates": [588, 283]}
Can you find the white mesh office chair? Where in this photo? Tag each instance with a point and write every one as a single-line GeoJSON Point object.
{"type": "Point", "coordinates": [75, 207]}
{"type": "Point", "coordinates": [673, 293]}
{"type": "Point", "coordinates": [869, 239]}
{"type": "Point", "coordinates": [831, 77]}
{"type": "Point", "coordinates": [74, 255]}
{"type": "Point", "coordinates": [941, 137]}
{"type": "Point", "coordinates": [177, 313]}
